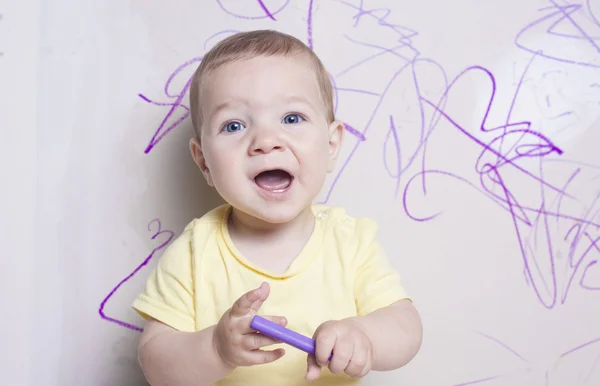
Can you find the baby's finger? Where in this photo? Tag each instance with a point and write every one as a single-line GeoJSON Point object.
{"type": "Point", "coordinates": [313, 370]}
{"type": "Point", "coordinates": [325, 342]}
{"type": "Point", "coordinates": [254, 341]}
{"type": "Point", "coordinates": [357, 364]}
{"type": "Point", "coordinates": [343, 352]}
{"type": "Point", "coordinates": [365, 370]}
{"type": "Point", "coordinates": [250, 301]}
{"type": "Point", "coordinates": [260, 357]}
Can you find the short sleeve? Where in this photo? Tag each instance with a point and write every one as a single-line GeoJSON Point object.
{"type": "Point", "coordinates": [377, 283]}
{"type": "Point", "coordinates": [168, 295]}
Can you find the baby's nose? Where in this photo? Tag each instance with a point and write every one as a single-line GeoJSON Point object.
{"type": "Point", "coordinates": [266, 141]}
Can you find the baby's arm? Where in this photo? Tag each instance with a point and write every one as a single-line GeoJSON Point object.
{"type": "Point", "coordinates": [175, 358]}
{"type": "Point", "coordinates": [386, 333]}
{"type": "Point", "coordinates": [171, 357]}
{"type": "Point", "coordinates": [385, 339]}
{"type": "Point", "coordinates": [395, 332]}
{"type": "Point", "coordinates": [385, 310]}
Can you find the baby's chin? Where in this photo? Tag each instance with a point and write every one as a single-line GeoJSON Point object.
{"type": "Point", "coordinates": [272, 215]}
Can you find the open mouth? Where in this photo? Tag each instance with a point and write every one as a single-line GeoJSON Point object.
{"type": "Point", "coordinates": [276, 180]}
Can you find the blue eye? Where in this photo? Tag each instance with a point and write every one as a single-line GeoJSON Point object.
{"type": "Point", "coordinates": [232, 127]}
{"type": "Point", "coordinates": [292, 119]}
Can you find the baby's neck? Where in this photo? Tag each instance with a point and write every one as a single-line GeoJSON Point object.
{"type": "Point", "coordinates": [247, 226]}
{"type": "Point", "coordinates": [271, 246]}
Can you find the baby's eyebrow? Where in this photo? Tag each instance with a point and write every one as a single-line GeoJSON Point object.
{"type": "Point", "coordinates": [300, 99]}
{"type": "Point", "coordinates": [236, 102]}
{"type": "Point", "coordinates": [228, 104]}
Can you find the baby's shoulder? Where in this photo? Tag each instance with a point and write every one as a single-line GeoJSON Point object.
{"type": "Point", "coordinates": [210, 221]}
{"type": "Point", "coordinates": [202, 232]}
{"type": "Point", "coordinates": [343, 226]}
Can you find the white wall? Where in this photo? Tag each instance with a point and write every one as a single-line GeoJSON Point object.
{"type": "Point", "coordinates": [19, 50]}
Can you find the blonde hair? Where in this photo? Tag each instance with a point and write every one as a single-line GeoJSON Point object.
{"type": "Point", "coordinates": [248, 45]}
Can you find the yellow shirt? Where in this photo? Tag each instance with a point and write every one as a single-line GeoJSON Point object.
{"type": "Point", "coordinates": [342, 271]}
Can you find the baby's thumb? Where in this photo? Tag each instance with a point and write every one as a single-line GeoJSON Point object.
{"type": "Point", "coordinates": [313, 370]}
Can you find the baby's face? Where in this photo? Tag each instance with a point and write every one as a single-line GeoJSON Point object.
{"type": "Point", "coordinates": [266, 145]}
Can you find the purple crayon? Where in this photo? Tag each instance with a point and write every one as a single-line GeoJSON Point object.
{"type": "Point", "coordinates": [283, 334]}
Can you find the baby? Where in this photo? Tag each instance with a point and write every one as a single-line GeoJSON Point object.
{"type": "Point", "coordinates": [265, 138]}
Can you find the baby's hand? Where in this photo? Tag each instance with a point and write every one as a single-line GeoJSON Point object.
{"type": "Point", "coordinates": [352, 350]}
{"type": "Point", "coordinates": [239, 345]}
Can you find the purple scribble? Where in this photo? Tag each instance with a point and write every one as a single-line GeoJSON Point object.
{"type": "Point", "coordinates": [406, 34]}
{"type": "Point", "coordinates": [562, 115]}
{"type": "Point", "coordinates": [227, 31]}
{"type": "Point", "coordinates": [527, 144]}
{"type": "Point", "coordinates": [266, 13]}
{"type": "Point", "coordinates": [588, 4]}
{"type": "Point", "coordinates": [559, 14]}
{"type": "Point", "coordinates": [146, 99]}
{"type": "Point", "coordinates": [580, 346]}
{"type": "Point", "coordinates": [553, 72]}
{"type": "Point", "coordinates": [512, 105]}
{"type": "Point", "coordinates": [354, 149]}
{"type": "Point", "coordinates": [309, 24]}
{"type": "Point", "coordinates": [367, 59]}
{"type": "Point", "coordinates": [264, 7]}
{"type": "Point", "coordinates": [522, 129]}
{"type": "Point", "coordinates": [564, 188]}
{"type": "Point", "coordinates": [568, 15]}
{"type": "Point", "coordinates": [591, 371]}
{"type": "Point", "coordinates": [582, 262]}
{"type": "Point", "coordinates": [411, 155]}
{"type": "Point", "coordinates": [479, 381]}
{"type": "Point", "coordinates": [494, 162]}
{"type": "Point", "coordinates": [382, 49]}
{"type": "Point", "coordinates": [163, 129]}
{"type": "Point", "coordinates": [360, 8]}
{"type": "Point", "coordinates": [503, 345]}
{"type": "Point", "coordinates": [587, 267]}
{"type": "Point", "coordinates": [548, 374]}
{"type": "Point", "coordinates": [353, 131]}
{"type": "Point", "coordinates": [158, 232]}
{"type": "Point", "coordinates": [590, 343]}
{"type": "Point", "coordinates": [393, 133]}
{"type": "Point", "coordinates": [353, 90]}
{"type": "Point", "coordinates": [506, 347]}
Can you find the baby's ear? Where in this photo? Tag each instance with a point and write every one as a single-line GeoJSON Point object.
{"type": "Point", "coordinates": [198, 156]}
{"type": "Point", "coordinates": [336, 136]}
